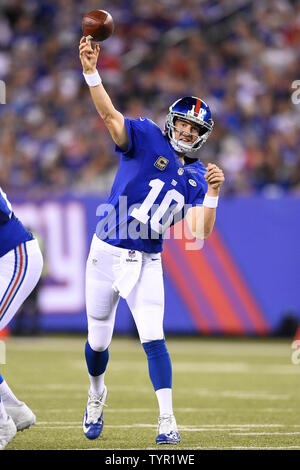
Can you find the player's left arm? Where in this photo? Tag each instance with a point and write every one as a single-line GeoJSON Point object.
{"type": "Point", "coordinates": [201, 219]}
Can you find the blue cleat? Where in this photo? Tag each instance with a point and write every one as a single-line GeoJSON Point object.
{"type": "Point", "coordinates": [167, 430]}
{"type": "Point", "coordinates": [93, 418]}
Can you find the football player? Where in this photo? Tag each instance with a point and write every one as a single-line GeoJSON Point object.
{"type": "Point", "coordinates": [21, 265]}
{"type": "Point", "coordinates": [155, 183]}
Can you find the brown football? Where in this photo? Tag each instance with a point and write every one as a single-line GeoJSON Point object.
{"type": "Point", "coordinates": [98, 25]}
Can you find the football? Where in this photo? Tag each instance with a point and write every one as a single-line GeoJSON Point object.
{"type": "Point", "coordinates": [98, 25]}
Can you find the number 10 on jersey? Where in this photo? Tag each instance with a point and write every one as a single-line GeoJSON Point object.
{"type": "Point", "coordinates": [163, 210]}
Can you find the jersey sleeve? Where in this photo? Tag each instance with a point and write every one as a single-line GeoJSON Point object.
{"type": "Point", "coordinates": [140, 131]}
{"type": "Point", "coordinates": [198, 199]}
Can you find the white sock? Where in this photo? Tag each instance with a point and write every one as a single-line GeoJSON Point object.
{"type": "Point", "coordinates": [164, 397]}
{"type": "Point", "coordinates": [3, 414]}
{"type": "Point", "coordinates": [97, 383]}
{"type": "Point", "coordinates": [8, 397]}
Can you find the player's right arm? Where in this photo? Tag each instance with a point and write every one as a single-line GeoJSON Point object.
{"type": "Point", "coordinates": [113, 119]}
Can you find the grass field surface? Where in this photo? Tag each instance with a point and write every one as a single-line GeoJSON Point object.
{"type": "Point", "coordinates": [227, 393]}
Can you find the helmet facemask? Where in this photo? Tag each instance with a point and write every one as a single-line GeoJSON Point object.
{"type": "Point", "coordinates": [180, 145]}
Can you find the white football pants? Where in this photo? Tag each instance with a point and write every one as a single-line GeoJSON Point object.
{"type": "Point", "coordinates": [20, 270]}
{"type": "Point", "coordinates": [146, 299]}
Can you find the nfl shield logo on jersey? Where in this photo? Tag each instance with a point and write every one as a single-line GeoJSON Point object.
{"type": "Point", "coordinates": [131, 254]}
{"type": "Point", "coordinates": [161, 163]}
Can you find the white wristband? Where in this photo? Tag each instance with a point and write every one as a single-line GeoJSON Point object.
{"type": "Point", "coordinates": [210, 201]}
{"type": "Point", "coordinates": [92, 79]}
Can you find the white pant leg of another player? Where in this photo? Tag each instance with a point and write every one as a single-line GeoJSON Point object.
{"type": "Point", "coordinates": [20, 270]}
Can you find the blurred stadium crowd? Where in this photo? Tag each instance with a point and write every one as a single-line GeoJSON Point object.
{"type": "Point", "coordinates": [240, 56]}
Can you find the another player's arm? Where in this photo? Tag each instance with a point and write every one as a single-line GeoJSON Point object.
{"type": "Point", "coordinates": [113, 119]}
{"type": "Point", "coordinates": [201, 219]}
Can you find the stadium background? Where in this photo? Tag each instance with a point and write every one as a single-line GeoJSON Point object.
{"type": "Point", "coordinates": [57, 160]}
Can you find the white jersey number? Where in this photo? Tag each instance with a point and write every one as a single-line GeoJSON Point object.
{"type": "Point", "coordinates": [141, 213]}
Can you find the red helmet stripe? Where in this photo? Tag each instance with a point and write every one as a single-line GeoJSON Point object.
{"type": "Point", "coordinates": [197, 107]}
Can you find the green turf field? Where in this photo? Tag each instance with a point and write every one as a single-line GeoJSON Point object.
{"type": "Point", "coordinates": [228, 393]}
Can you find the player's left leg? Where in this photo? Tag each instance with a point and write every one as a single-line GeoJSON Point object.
{"type": "Point", "coordinates": [146, 303]}
{"type": "Point", "coordinates": [20, 270]}
{"type": "Point", "coordinates": [101, 305]}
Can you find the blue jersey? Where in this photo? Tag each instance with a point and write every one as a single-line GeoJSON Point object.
{"type": "Point", "coordinates": [151, 191]}
{"type": "Point", "coordinates": [12, 232]}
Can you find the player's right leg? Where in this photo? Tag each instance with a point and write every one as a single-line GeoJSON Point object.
{"type": "Point", "coordinates": [20, 270]}
{"type": "Point", "coordinates": [101, 305]}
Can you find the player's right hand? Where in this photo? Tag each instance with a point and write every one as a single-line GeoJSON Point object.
{"type": "Point", "coordinates": [88, 55]}
{"type": "Point", "coordinates": [214, 176]}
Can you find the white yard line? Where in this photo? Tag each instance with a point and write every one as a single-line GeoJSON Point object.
{"type": "Point", "coordinates": [177, 410]}
{"type": "Point", "coordinates": [278, 410]}
{"type": "Point", "coordinates": [128, 410]}
{"type": "Point", "coordinates": [246, 425]}
{"type": "Point", "coordinates": [192, 428]}
{"type": "Point", "coordinates": [275, 433]}
{"type": "Point", "coordinates": [240, 394]}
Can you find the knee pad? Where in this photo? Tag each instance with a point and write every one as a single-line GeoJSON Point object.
{"type": "Point", "coordinates": [99, 336]}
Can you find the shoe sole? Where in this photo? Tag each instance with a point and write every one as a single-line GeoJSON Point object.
{"type": "Point", "coordinates": [167, 442]}
{"type": "Point", "coordinates": [161, 441]}
{"type": "Point", "coordinates": [22, 427]}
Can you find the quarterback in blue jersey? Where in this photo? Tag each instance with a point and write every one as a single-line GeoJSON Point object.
{"type": "Point", "coordinates": [21, 265]}
{"type": "Point", "coordinates": [157, 184]}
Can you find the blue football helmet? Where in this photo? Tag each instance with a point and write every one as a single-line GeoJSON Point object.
{"type": "Point", "coordinates": [191, 109]}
